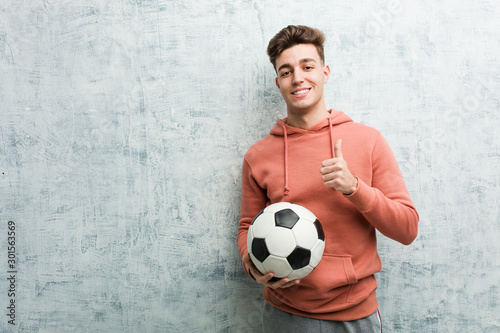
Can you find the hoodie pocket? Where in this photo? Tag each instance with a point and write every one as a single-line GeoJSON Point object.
{"type": "Point", "coordinates": [326, 289]}
{"type": "Point", "coordinates": [332, 272]}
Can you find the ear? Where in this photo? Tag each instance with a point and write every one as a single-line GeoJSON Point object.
{"type": "Point", "coordinates": [277, 83]}
{"type": "Point", "coordinates": [326, 72]}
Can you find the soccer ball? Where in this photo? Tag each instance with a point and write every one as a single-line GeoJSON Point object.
{"type": "Point", "coordinates": [286, 239]}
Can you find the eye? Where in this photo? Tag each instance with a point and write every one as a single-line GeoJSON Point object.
{"type": "Point", "coordinates": [285, 73]}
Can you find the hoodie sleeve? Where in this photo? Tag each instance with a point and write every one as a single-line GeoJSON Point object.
{"type": "Point", "coordinates": [386, 204]}
{"type": "Point", "coordinates": [253, 200]}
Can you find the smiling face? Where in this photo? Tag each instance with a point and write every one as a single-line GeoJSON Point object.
{"type": "Point", "coordinates": [301, 78]}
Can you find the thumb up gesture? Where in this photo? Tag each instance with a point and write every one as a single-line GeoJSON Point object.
{"type": "Point", "coordinates": [336, 174]}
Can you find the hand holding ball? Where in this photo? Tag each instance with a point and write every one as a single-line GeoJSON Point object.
{"type": "Point", "coordinates": [286, 239]}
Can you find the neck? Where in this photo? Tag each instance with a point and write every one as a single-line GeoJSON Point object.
{"type": "Point", "coordinates": [306, 120]}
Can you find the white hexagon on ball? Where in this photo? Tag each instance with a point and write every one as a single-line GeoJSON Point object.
{"type": "Point", "coordinates": [280, 242]}
{"type": "Point", "coordinates": [305, 236]}
{"type": "Point", "coordinates": [276, 207]}
{"type": "Point", "coordinates": [249, 240]}
{"type": "Point", "coordinates": [264, 227]}
{"type": "Point", "coordinates": [279, 266]}
{"type": "Point", "coordinates": [317, 253]}
{"type": "Point", "coordinates": [300, 273]}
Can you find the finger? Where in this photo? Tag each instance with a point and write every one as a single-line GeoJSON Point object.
{"type": "Point", "coordinates": [264, 279]}
{"type": "Point", "coordinates": [291, 284]}
{"type": "Point", "coordinates": [259, 277]}
{"type": "Point", "coordinates": [331, 168]}
{"type": "Point", "coordinates": [251, 267]}
{"type": "Point", "coordinates": [338, 149]}
{"type": "Point", "coordinates": [327, 163]}
{"type": "Point", "coordinates": [334, 183]}
{"type": "Point", "coordinates": [330, 162]}
{"type": "Point", "coordinates": [329, 177]}
{"type": "Point", "coordinates": [280, 283]}
{"type": "Point", "coordinates": [247, 261]}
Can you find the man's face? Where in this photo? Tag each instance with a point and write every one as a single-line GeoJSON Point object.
{"type": "Point", "coordinates": [301, 77]}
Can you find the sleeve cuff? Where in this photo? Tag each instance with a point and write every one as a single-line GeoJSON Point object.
{"type": "Point", "coordinates": [363, 197]}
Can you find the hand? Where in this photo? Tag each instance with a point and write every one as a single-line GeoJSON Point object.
{"type": "Point", "coordinates": [336, 174]}
{"type": "Point", "coordinates": [265, 279]}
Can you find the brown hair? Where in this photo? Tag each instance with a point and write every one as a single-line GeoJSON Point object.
{"type": "Point", "coordinates": [294, 35]}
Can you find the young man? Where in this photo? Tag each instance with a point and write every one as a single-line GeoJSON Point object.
{"type": "Point", "coordinates": [346, 174]}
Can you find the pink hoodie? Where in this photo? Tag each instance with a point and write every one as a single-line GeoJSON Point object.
{"type": "Point", "coordinates": [285, 166]}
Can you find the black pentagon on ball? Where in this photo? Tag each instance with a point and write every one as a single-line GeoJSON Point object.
{"type": "Point", "coordinates": [319, 229]}
{"type": "Point", "coordinates": [259, 249]}
{"type": "Point", "coordinates": [299, 258]}
{"type": "Point", "coordinates": [286, 218]}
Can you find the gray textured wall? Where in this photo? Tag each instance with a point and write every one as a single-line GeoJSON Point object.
{"type": "Point", "coordinates": [124, 123]}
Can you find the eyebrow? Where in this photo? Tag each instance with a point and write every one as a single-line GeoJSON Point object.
{"type": "Point", "coordinates": [301, 61]}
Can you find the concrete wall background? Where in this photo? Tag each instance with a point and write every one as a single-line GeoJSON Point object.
{"type": "Point", "coordinates": [123, 126]}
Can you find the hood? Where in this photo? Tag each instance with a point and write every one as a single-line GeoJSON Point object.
{"type": "Point", "coordinates": [284, 130]}
{"type": "Point", "coordinates": [336, 118]}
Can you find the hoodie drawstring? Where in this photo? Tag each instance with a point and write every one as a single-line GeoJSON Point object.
{"type": "Point", "coordinates": [332, 144]}
{"type": "Point", "coordinates": [286, 189]}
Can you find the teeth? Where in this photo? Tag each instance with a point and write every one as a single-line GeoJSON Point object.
{"type": "Point", "coordinates": [300, 92]}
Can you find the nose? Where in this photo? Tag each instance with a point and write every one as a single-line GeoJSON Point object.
{"type": "Point", "coordinates": [298, 77]}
